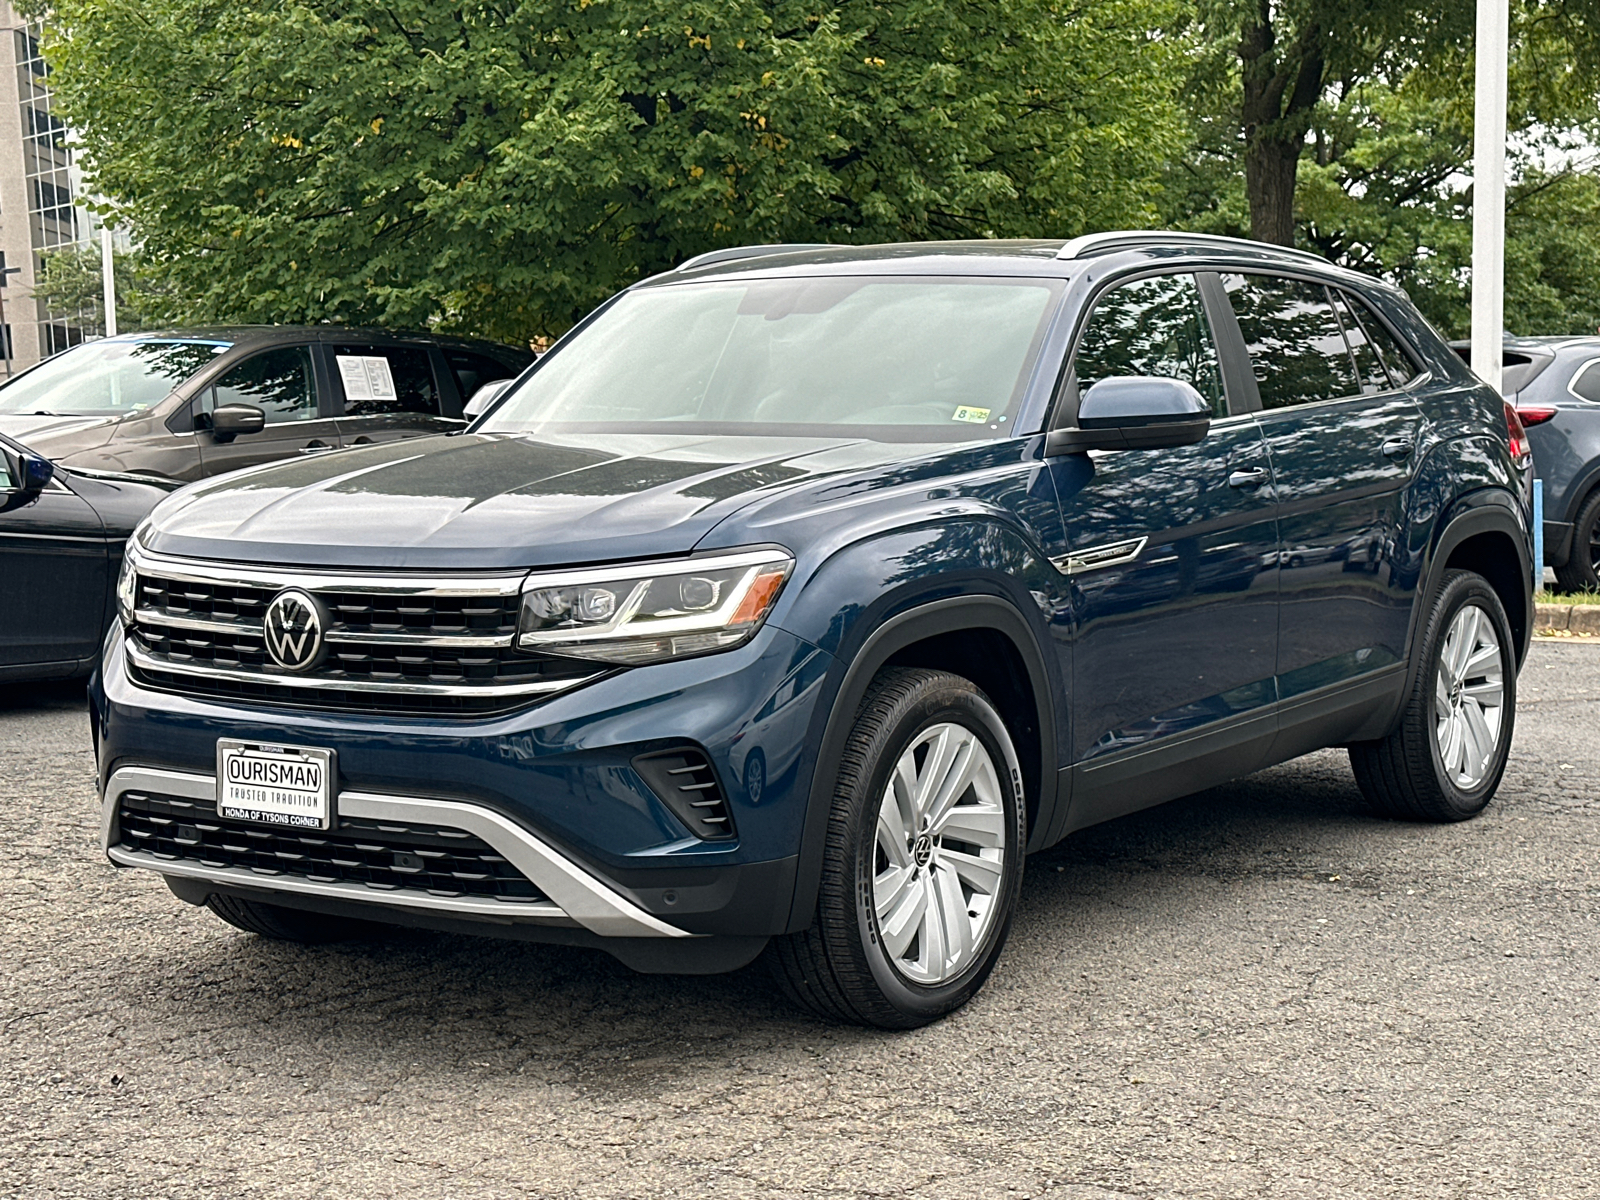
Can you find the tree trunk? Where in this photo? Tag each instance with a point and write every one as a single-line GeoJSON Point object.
{"type": "Point", "coordinates": [1270, 168]}
{"type": "Point", "coordinates": [1280, 92]}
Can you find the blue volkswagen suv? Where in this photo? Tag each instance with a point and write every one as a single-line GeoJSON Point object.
{"type": "Point", "coordinates": [798, 594]}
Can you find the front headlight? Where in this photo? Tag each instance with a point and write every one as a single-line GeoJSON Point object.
{"type": "Point", "coordinates": [127, 582]}
{"type": "Point", "coordinates": [655, 611]}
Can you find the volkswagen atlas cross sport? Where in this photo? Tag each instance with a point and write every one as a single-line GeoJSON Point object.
{"type": "Point", "coordinates": [799, 593]}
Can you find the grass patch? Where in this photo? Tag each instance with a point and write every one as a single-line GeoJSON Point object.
{"type": "Point", "coordinates": [1567, 597]}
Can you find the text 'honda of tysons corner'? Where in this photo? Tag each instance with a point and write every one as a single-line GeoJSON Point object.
{"type": "Point", "coordinates": [797, 595]}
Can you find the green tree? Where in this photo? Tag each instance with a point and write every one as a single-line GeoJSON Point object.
{"type": "Point", "coordinates": [501, 166]}
{"type": "Point", "coordinates": [71, 283]}
{"type": "Point", "coordinates": [1383, 167]}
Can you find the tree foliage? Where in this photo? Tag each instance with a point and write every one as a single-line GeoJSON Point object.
{"type": "Point", "coordinates": [71, 283]}
{"type": "Point", "coordinates": [1383, 161]}
{"type": "Point", "coordinates": [500, 166]}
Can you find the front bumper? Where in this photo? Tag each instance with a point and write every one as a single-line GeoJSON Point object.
{"type": "Point", "coordinates": [551, 788]}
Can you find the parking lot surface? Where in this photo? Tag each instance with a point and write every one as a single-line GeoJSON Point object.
{"type": "Point", "coordinates": [1261, 990]}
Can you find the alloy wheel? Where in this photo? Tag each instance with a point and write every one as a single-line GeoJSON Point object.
{"type": "Point", "coordinates": [939, 856]}
{"type": "Point", "coordinates": [1469, 694]}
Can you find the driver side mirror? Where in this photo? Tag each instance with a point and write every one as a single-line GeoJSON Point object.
{"type": "Point", "coordinates": [25, 474]}
{"type": "Point", "coordinates": [228, 421]}
{"type": "Point", "coordinates": [484, 397]}
{"type": "Point", "coordinates": [1135, 412]}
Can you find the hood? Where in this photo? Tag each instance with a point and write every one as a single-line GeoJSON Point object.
{"type": "Point", "coordinates": [58, 436]}
{"type": "Point", "coordinates": [491, 502]}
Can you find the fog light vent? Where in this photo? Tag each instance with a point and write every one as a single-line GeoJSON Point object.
{"type": "Point", "coordinates": [688, 786]}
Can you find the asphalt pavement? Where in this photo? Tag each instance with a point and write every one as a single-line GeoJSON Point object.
{"type": "Point", "coordinates": [1262, 990]}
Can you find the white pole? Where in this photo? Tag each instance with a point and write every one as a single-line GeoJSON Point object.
{"type": "Point", "coordinates": [108, 280]}
{"type": "Point", "coordinates": [1489, 192]}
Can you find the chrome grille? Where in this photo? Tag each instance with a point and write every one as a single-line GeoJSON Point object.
{"type": "Point", "coordinates": [423, 645]}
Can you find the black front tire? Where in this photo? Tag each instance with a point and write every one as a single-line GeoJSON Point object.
{"type": "Point", "coordinates": [1581, 572]}
{"type": "Point", "coordinates": [840, 967]}
{"type": "Point", "coordinates": [1404, 775]}
{"type": "Point", "coordinates": [286, 924]}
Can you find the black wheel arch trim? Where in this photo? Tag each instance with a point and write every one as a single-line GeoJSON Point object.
{"type": "Point", "coordinates": [911, 625]}
{"type": "Point", "coordinates": [1488, 510]}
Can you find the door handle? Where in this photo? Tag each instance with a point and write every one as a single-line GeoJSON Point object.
{"type": "Point", "coordinates": [314, 446]}
{"type": "Point", "coordinates": [363, 440]}
{"type": "Point", "coordinates": [1397, 448]}
{"type": "Point", "coordinates": [1250, 477]}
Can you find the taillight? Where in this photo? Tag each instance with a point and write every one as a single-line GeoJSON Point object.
{"type": "Point", "coordinates": [1521, 452]}
{"type": "Point", "coordinates": [1535, 414]}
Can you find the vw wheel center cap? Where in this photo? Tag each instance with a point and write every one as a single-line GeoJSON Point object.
{"type": "Point", "coordinates": [293, 630]}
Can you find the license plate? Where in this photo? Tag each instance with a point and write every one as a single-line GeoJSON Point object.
{"type": "Point", "coordinates": [275, 785]}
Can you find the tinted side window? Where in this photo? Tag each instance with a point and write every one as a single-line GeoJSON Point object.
{"type": "Point", "coordinates": [278, 382]}
{"type": "Point", "coordinates": [1151, 327]}
{"type": "Point", "coordinates": [386, 379]}
{"type": "Point", "coordinates": [1296, 346]}
{"type": "Point", "coordinates": [1363, 325]}
{"type": "Point", "coordinates": [1587, 383]}
{"type": "Point", "coordinates": [472, 371]}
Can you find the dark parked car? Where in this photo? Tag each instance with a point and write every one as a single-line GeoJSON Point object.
{"type": "Point", "coordinates": [190, 403]}
{"type": "Point", "coordinates": [797, 594]}
{"type": "Point", "coordinates": [1555, 384]}
{"type": "Point", "coordinates": [61, 539]}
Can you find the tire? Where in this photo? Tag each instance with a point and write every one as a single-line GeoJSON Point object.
{"type": "Point", "coordinates": [1449, 713]}
{"type": "Point", "coordinates": [286, 924]}
{"type": "Point", "coordinates": [1582, 570]}
{"type": "Point", "coordinates": [915, 729]}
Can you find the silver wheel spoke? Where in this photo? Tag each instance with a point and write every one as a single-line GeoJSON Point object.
{"type": "Point", "coordinates": [980, 874]}
{"type": "Point", "coordinates": [953, 910]}
{"type": "Point", "coordinates": [1482, 739]}
{"type": "Point", "coordinates": [1469, 692]}
{"type": "Point", "coordinates": [940, 854]}
{"type": "Point", "coordinates": [976, 823]}
{"type": "Point", "coordinates": [907, 917]}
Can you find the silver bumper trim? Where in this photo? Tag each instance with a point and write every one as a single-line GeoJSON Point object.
{"type": "Point", "coordinates": [576, 896]}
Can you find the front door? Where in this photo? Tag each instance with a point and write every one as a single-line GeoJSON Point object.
{"type": "Point", "coordinates": [282, 383]}
{"type": "Point", "coordinates": [1342, 432]}
{"type": "Point", "coordinates": [1173, 559]}
{"type": "Point", "coordinates": [52, 577]}
{"type": "Point", "coordinates": [389, 393]}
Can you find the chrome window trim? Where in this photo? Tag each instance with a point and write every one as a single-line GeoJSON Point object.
{"type": "Point", "coordinates": [1572, 381]}
{"type": "Point", "coordinates": [575, 895]}
{"type": "Point", "coordinates": [541, 687]}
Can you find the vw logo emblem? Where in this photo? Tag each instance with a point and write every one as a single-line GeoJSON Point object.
{"type": "Point", "coordinates": [293, 630]}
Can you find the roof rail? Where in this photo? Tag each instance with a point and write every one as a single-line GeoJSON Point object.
{"type": "Point", "coordinates": [1091, 244]}
{"type": "Point", "coordinates": [737, 252]}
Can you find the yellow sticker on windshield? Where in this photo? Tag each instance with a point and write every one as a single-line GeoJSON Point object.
{"type": "Point", "coordinates": [976, 415]}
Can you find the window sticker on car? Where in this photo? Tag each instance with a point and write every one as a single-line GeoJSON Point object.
{"type": "Point", "coordinates": [366, 378]}
{"type": "Point", "coordinates": [975, 415]}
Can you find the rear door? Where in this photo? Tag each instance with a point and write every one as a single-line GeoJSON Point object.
{"type": "Point", "coordinates": [387, 392]}
{"type": "Point", "coordinates": [282, 383]}
{"type": "Point", "coordinates": [52, 577]}
{"type": "Point", "coordinates": [1342, 432]}
{"type": "Point", "coordinates": [1173, 555]}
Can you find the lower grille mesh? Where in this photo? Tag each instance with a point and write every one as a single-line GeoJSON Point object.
{"type": "Point", "coordinates": [437, 860]}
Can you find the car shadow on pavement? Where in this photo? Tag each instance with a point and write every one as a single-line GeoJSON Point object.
{"type": "Point", "coordinates": [51, 695]}
{"type": "Point", "coordinates": [568, 1014]}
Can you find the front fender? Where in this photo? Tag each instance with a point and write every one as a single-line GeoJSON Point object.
{"type": "Point", "coordinates": [930, 581]}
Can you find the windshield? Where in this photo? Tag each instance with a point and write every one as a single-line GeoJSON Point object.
{"type": "Point", "coordinates": [107, 377]}
{"type": "Point", "coordinates": [902, 359]}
